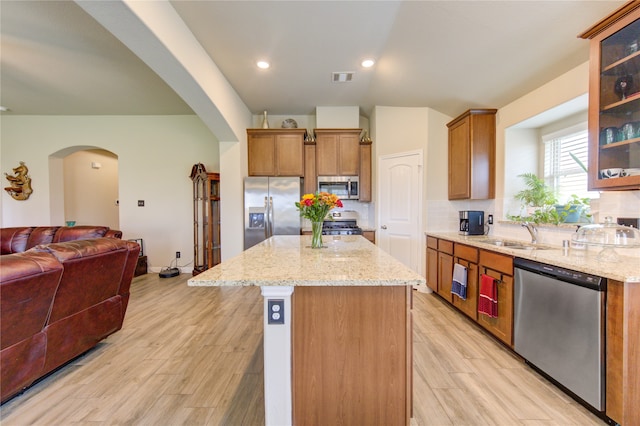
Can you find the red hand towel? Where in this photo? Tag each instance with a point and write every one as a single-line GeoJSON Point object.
{"type": "Point", "coordinates": [488, 301]}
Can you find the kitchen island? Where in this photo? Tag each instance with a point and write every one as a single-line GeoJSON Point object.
{"type": "Point", "coordinates": [337, 328]}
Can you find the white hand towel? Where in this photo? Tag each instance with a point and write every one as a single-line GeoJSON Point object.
{"type": "Point", "coordinates": [459, 284]}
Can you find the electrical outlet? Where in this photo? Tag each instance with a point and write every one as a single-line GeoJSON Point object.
{"type": "Point", "coordinates": [275, 310]}
{"type": "Point", "coordinates": [490, 219]}
{"type": "Point", "coordinates": [177, 255]}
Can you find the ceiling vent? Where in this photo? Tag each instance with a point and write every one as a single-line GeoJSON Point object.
{"type": "Point", "coordinates": [342, 77]}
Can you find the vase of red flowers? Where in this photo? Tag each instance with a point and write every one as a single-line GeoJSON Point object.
{"type": "Point", "coordinates": [316, 207]}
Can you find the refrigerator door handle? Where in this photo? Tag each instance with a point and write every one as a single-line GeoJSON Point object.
{"type": "Point", "coordinates": [266, 218]}
{"type": "Point", "coordinates": [270, 216]}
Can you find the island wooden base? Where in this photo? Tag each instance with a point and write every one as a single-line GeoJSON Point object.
{"type": "Point", "coordinates": [351, 355]}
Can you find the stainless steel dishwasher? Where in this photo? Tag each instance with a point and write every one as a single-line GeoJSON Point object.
{"type": "Point", "coordinates": [559, 326]}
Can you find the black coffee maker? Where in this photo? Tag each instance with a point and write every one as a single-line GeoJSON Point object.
{"type": "Point", "coordinates": [471, 222]}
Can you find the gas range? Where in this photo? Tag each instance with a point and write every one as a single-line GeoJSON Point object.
{"type": "Point", "coordinates": [344, 223]}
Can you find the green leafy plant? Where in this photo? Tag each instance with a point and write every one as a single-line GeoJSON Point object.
{"type": "Point", "coordinates": [540, 197]}
{"type": "Point", "coordinates": [537, 194]}
{"type": "Point", "coordinates": [580, 163]}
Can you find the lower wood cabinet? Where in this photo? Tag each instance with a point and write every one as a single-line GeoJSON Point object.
{"type": "Point", "coordinates": [500, 267]}
{"type": "Point", "coordinates": [623, 344]}
{"type": "Point", "coordinates": [468, 257]}
{"type": "Point", "coordinates": [445, 269]}
{"type": "Point", "coordinates": [432, 263]}
{"type": "Point", "coordinates": [370, 235]}
{"type": "Point", "coordinates": [443, 254]}
{"type": "Point", "coordinates": [622, 317]}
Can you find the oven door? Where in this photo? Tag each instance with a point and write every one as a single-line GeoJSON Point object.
{"type": "Point", "coordinates": [346, 188]}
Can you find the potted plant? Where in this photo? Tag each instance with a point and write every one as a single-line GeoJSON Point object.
{"type": "Point", "coordinates": [575, 210]}
{"type": "Point", "coordinates": [538, 199]}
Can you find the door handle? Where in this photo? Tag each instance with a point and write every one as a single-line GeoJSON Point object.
{"type": "Point", "coordinates": [271, 216]}
{"type": "Point", "coordinates": [383, 227]}
{"type": "Point", "coordinates": [266, 218]}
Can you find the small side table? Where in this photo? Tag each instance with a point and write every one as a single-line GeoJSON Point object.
{"type": "Point", "coordinates": [141, 267]}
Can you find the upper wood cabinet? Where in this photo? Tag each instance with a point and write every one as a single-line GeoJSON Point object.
{"type": "Point", "coordinates": [366, 187]}
{"type": "Point", "coordinates": [276, 152]}
{"type": "Point", "coordinates": [338, 152]}
{"type": "Point", "coordinates": [614, 100]}
{"type": "Point", "coordinates": [472, 142]}
{"type": "Point", "coordinates": [310, 175]}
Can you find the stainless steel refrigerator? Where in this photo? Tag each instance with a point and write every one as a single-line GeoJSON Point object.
{"type": "Point", "coordinates": [269, 208]}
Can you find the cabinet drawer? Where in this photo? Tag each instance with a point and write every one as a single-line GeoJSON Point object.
{"type": "Point", "coordinates": [497, 262]}
{"type": "Point", "coordinates": [445, 246]}
{"type": "Point", "coordinates": [432, 242]}
{"type": "Point", "coordinates": [466, 252]}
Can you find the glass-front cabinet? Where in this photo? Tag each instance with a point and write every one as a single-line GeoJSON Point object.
{"type": "Point", "coordinates": [614, 101]}
{"type": "Point", "coordinates": [206, 219]}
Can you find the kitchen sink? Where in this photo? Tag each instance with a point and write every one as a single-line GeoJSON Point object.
{"type": "Point", "coordinates": [517, 245]}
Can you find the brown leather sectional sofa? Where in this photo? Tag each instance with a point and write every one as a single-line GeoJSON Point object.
{"type": "Point", "coordinates": [58, 299]}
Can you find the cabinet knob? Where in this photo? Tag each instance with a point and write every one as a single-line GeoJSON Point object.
{"type": "Point", "coordinates": [383, 227]}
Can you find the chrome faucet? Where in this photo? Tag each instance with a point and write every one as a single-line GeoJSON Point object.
{"type": "Point", "coordinates": [532, 230]}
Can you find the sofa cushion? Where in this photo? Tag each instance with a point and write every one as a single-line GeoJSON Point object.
{"type": "Point", "coordinates": [41, 235]}
{"type": "Point", "coordinates": [14, 240]}
{"type": "Point", "coordinates": [72, 233]}
{"type": "Point", "coordinates": [29, 281]}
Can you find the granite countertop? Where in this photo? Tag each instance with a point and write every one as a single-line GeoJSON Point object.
{"type": "Point", "coordinates": [288, 260]}
{"type": "Point", "coordinates": [625, 269]}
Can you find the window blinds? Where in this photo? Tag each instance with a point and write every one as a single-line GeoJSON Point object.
{"type": "Point", "coordinates": [561, 171]}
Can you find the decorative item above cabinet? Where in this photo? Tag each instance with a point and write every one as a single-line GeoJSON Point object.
{"type": "Point", "coordinates": [614, 100]}
{"type": "Point", "coordinates": [472, 152]}
{"type": "Point", "coordinates": [276, 152]}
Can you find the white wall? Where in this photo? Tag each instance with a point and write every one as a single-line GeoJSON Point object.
{"type": "Point", "coordinates": [522, 150]}
{"type": "Point", "coordinates": [155, 156]}
{"type": "Point", "coordinates": [396, 130]}
{"type": "Point", "coordinates": [91, 188]}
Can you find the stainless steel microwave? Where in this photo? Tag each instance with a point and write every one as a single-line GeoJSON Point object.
{"type": "Point", "coordinates": [345, 187]}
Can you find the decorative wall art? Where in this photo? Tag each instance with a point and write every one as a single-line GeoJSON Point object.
{"type": "Point", "coordinates": [20, 183]}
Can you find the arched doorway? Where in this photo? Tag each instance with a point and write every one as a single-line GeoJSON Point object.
{"type": "Point", "coordinates": [84, 186]}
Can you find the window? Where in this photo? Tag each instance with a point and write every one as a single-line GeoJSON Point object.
{"type": "Point", "coordinates": [561, 171]}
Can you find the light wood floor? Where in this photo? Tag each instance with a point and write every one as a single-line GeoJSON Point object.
{"type": "Point", "coordinates": [193, 355]}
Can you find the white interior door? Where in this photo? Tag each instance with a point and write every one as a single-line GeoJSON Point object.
{"type": "Point", "coordinates": [399, 202]}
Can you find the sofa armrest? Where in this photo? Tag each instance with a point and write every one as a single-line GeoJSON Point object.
{"type": "Point", "coordinates": [113, 233]}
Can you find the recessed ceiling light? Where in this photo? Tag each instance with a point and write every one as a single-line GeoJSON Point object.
{"type": "Point", "coordinates": [368, 63]}
{"type": "Point", "coordinates": [263, 64]}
